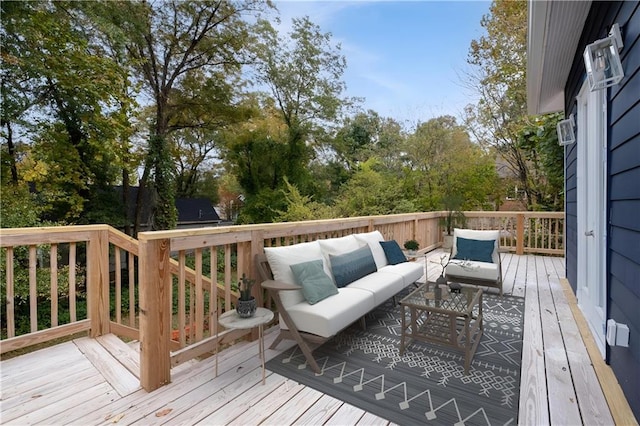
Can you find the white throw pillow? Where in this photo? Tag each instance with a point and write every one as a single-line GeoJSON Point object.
{"type": "Point", "coordinates": [280, 260]}
{"type": "Point", "coordinates": [373, 240]}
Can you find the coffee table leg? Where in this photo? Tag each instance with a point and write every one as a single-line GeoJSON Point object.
{"type": "Point", "coordinates": [403, 331]}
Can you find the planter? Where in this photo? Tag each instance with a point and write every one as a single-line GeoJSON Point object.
{"type": "Point", "coordinates": [447, 241]}
{"type": "Point", "coordinates": [246, 308]}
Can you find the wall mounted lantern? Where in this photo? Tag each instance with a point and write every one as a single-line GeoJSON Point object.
{"type": "Point", "coordinates": [566, 134]}
{"type": "Point", "coordinates": [602, 60]}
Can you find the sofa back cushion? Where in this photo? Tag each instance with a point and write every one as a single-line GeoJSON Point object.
{"type": "Point", "coordinates": [280, 260]}
{"type": "Point", "coordinates": [373, 240]}
{"type": "Point", "coordinates": [351, 266]}
{"type": "Point", "coordinates": [472, 234]}
{"type": "Point", "coordinates": [337, 246]}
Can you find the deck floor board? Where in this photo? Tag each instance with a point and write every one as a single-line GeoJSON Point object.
{"type": "Point", "coordinates": [61, 385]}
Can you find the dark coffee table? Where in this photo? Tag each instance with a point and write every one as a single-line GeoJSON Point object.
{"type": "Point", "coordinates": [443, 318]}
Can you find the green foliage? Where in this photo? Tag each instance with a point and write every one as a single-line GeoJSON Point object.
{"type": "Point", "coordinates": [19, 208]}
{"type": "Point", "coordinates": [411, 245]}
{"type": "Point", "coordinates": [244, 287]}
{"type": "Point", "coordinates": [299, 207]}
{"type": "Point", "coordinates": [165, 214]}
{"type": "Point", "coordinates": [500, 118]}
{"type": "Point", "coordinates": [22, 297]}
{"type": "Point", "coordinates": [539, 142]}
{"type": "Point", "coordinates": [370, 192]}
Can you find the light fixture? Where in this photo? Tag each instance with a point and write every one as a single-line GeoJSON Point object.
{"type": "Point", "coordinates": [602, 60]}
{"type": "Point", "coordinates": [566, 134]}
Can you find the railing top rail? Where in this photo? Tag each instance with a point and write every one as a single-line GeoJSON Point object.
{"type": "Point", "coordinates": [323, 224]}
{"type": "Point", "coordinates": [10, 237]}
{"type": "Point", "coordinates": [526, 214]}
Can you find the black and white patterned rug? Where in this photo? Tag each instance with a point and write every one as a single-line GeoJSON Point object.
{"type": "Point", "coordinates": [427, 384]}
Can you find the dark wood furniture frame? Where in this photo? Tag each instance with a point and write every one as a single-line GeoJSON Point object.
{"type": "Point", "coordinates": [306, 341]}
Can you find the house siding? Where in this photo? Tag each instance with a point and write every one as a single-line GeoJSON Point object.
{"type": "Point", "coordinates": [623, 194]}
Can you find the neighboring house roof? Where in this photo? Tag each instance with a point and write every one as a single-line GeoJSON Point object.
{"type": "Point", "coordinates": [192, 210]}
{"type": "Point", "coordinates": [554, 33]}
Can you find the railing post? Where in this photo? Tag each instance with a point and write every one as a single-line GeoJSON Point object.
{"type": "Point", "coordinates": [155, 316]}
{"type": "Point", "coordinates": [98, 283]}
{"type": "Point", "coordinates": [520, 233]}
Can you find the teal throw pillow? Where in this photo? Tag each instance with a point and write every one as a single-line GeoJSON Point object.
{"type": "Point", "coordinates": [476, 250]}
{"type": "Point", "coordinates": [351, 266]}
{"type": "Point", "coordinates": [393, 252]}
{"type": "Point", "coordinates": [316, 284]}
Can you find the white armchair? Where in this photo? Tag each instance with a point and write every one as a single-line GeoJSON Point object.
{"type": "Point", "coordinates": [475, 258]}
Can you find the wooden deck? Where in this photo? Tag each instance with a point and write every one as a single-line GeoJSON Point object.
{"type": "Point", "coordinates": [81, 382]}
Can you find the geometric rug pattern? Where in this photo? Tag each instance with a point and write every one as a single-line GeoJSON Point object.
{"type": "Point", "coordinates": [427, 384]}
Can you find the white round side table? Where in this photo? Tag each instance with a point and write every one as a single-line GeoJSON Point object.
{"type": "Point", "coordinates": [231, 321]}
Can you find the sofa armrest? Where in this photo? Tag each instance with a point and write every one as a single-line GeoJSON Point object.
{"type": "Point", "coordinates": [279, 285]}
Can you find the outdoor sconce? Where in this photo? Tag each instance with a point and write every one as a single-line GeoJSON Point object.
{"type": "Point", "coordinates": [566, 134]}
{"type": "Point", "coordinates": [602, 60]}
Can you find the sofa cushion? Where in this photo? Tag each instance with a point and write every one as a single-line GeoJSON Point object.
{"type": "Point", "coordinates": [327, 317]}
{"type": "Point", "coordinates": [478, 250]}
{"type": "Point", "coordinates": [280, 260]}
{"type": "Point", "coordinates": [336, 246]}
{"type": "Point", "coordinates": [409, 271]}
{"type": "Point", "coordinates": [470, 269]}
{"type": "Point", "coordinates": [393, 252]}
{"type": "Point", "coordinates": [348, 267]}
{"type": "Point", "coordinates": [373, 240]}
{"type": "Point", "coordinates": [316, 284]}
{"type": "Point", "coordinates": [381, 284]}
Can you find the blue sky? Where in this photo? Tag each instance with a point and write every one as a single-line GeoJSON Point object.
{"type": "Point", "coordinates": [407, 58]}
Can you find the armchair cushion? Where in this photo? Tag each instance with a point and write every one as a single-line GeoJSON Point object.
{"type": "Point", "coordinates": [477, 250]}
{"type": "Point", "coordinates": [316, 284]}
{"type": "Point", "coordinates": [353, 265]}
{"type": "Point", "coordinates": [393, 252]}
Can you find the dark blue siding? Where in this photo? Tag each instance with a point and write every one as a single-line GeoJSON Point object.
{"type": "Point", "coordinates": [623, 197]}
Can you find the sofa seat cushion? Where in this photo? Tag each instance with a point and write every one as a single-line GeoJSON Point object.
{"type": "Point", "coordinates": [382, 285]}
{"type": "Point", "coordinates": [409, 271]}
{"type": "Point", "coordinates": [327, 317]}
{"type": "Point", "coordinates": [475, 270]}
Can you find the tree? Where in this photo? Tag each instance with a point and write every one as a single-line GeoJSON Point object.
{"type": "Point", "coordinates": [172, 44]}
{"type": "Point", "coordinates": [372, 191]}
{"type": "Point", "coordinates": [500, 117]}
{"type": "Point", "coordinates": [62, 91]}
{"type": "Point", "coordinates": [441, 163]}
{"type": "Point", "coordinates": [303, 74]}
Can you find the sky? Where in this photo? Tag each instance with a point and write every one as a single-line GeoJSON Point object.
{"type": "Point", "coordinates": [406, 58]}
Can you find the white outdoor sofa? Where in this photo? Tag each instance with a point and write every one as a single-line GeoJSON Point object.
{"type": "Point", "coordinates": [309, 324]}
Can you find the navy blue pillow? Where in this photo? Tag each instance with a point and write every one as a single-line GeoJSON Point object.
{"type": "Point", "coordinates": [477, 250]}
{"type": "Point", "coordinates": [393, 252]}
{"type": "Point", "coordinates": [352, 266]}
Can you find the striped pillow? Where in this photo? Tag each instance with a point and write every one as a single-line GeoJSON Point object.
{"type": "Point", "coordinates": [351, 266]}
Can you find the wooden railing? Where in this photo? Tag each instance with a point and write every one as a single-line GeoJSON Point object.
{"type": "Point", "coordinates": [159, 289]}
